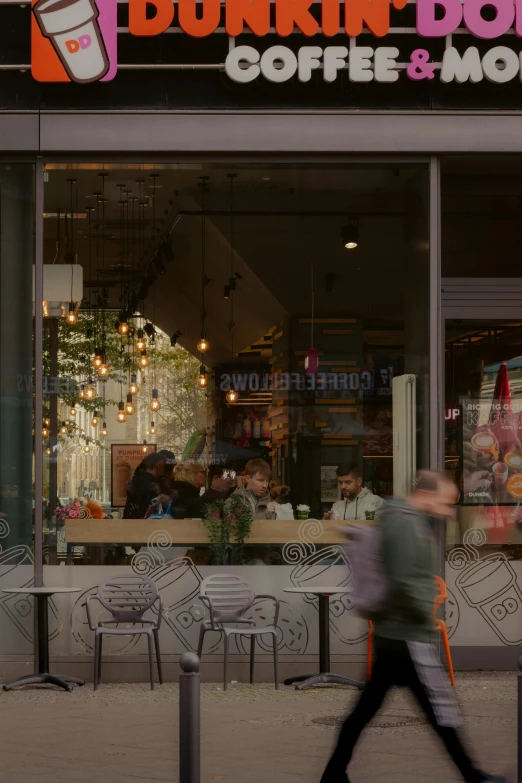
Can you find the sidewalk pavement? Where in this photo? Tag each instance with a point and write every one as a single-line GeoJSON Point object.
{"type": "Point", "coordinates": [250, 734]}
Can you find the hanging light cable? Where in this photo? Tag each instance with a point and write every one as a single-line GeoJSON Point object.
{"type": "Point", "coordinates": [232, 396]}
{"type": "Point", "coordinates": [203, 344]}
{"type": "Point", "coordinates": [71, 316]}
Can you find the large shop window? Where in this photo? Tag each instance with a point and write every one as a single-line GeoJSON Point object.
{"type": "Point", "coordinates": [208, 315]}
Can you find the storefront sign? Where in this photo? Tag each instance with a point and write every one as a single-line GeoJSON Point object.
{"type": "Point", "coordinates": [125, 458]}
{"type": "Point", "coordinates": [76, 40]}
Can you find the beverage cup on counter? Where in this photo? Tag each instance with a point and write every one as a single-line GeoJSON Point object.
{"type": "Point", "coordinates": [72, 28]}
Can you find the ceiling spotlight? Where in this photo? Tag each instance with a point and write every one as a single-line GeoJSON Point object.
{"type": "Point", "coordinates": [350, 234]}
{"type": "Point", "coordinates": [226, 292]}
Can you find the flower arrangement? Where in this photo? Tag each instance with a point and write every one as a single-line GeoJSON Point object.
{"type": "Point", "coordinates": [238, 513]}
{"type": "Point", "coordinates": [303, 511]}
{"type": "Point", "coordinates": [218, 528]}
{"type": "Point", "coordinates": [70, 511]}
{"type": "Point", "coordinates": [369, 512]}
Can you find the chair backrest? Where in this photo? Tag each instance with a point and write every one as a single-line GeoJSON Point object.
{"type": "Point", "coordinates": [127, 597]}
{"type": "Point", "coordinates": [441, 594]}
{"type": "Point", "coordinates": [230, 596]}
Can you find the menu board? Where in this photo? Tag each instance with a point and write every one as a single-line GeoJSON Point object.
{"type": "Point", "coordinates": [491, 451]}
{"type": "Point", "coordinates": [125, 458]}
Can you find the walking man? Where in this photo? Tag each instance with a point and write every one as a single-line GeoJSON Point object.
{"type": "Point", "coordinates": [404, 652]}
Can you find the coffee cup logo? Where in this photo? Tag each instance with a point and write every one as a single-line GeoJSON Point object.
{"type": "Point", "coordinates": [73, 29]}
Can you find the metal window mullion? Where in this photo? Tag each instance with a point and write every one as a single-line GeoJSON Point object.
{"type": "Point", "coordinates": [38, 373]}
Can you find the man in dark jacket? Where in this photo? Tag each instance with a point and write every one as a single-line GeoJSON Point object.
{"type": "Point", "coordinates": [404, 653]}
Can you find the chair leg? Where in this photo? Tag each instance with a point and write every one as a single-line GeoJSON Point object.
{"type": "Point", "coordinates": [225, 664]}
{"type": "Point", "coordinates": [100, 653]}
{"type": "Point", "coordinates": [96, 670]}
{"type": "Point", "coordinates": [276, 676]}
{"type": "Point", "coordinates": [202, 632]}
{"type": "Point", "coordinates": [447, 650]}
{"type": "Point", "coordinates": [252, 655]}
{"type": "Point", "coordinates": [151, 661]}
{"type": "Point", "coordinates": [369, 654]}
{"type": "Point", "coordinates": [158, 656]}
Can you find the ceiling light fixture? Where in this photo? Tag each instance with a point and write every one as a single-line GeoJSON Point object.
{"type": "Point", "coordinates": [350, 233]}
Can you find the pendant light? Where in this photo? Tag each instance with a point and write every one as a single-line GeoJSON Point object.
{"type": "Point", "coordinates": [203, 344]}
{"type": "Point", "coordinates": [95, 419]}
{"type": "Point", "coordinates": [143, 361]}
{"type": "Point", "coordinates": [82, 392]}
{"type": "Point", "coordinates": [133, 386]}
{"type": "Point", "coordinates": [46, 422]}
{"type": "Point", "coordinates": [231, 396]}
{"type": "Point", "coordinates": [90, 390]}
{"type": "Point", "coordinates": [104, 370]}
{"type": "Point", "coordinates": [72, 412]}
{"type": "Point", "coordinates": [63, 429]}
{"type": "Point", "coordinates": [350, 233]}
{"type": "Point", "coordinates": [48, 452]}
{"type": "Point", "coordinates": [152, 428]}
{"type": "Point", "coordinates": [121, 416]}
{"type": "Point", "coordinates": [71, 316]}
{"type": "Point", "coordinates": [202, 377]}
{"type": "Point", "coordinates": [129, 405]}
{"type": "Point", "coordinates": [87, 447]}
{"type": "Point", "coordinates": [154, 404]}
{"type": "Point", "coordinates": [141, 342]}
{"type": "Point", "coordinates": [104, 431]}
{"type": "Point", "coordinates": [45, 432]}
{"type": "Point", "coordinates": [98, 359]}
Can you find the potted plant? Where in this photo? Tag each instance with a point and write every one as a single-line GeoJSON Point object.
{"type": "Point", "coordinates": [303, 511]}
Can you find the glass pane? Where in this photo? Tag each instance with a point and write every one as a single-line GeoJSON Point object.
{"type": "Point", "coordinates": [16, 404]}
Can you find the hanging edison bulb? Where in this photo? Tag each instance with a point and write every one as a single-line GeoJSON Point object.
{"type": "Point", "coordinates": [63, 429]}
{"type": "Point", "coordinates": [232, 396]}
{"type": "Point", "coordinates": [82, 392]}
{"type": "Point", "coordinates": [203, 344]}
{"type": "Point", "coordinates": [203, 377]}
{"type": "Point", "coordinates": [95, 419]}
{"type": "Point", "coordinates": [87, 447]}
{"type": "Point", "coordinates": [98, 359]}
{"type": "Point", "coordinates": [123, 328]}
{"type": "Point", "coordinates": [155, 404]}
{"type": "Point", "coordinates": [67, 422]}
{"type": "Point", "coordinates": [48, 452]}
{"type": "Point", "coordinates": [129, 405]}
{"type": "Point", "coordinates": [133, 386]}
{"type": "Point", "coordinates": [71, 316]}
{"type": "Point", "coordinates": [143, 361]}
{"type": "Point", "coordinates": [45, 432]}
{"type": "Point", "coordinates": [141, 342]}
{"type": "Point", "coordinates": [104, 370]}
{"type": "Point", "coordinates": [72, 412]}
{"type": "Point", "coordinates": [121, 416]}
{"type": "Point", "coordinates": [152, 428]}
{"type": "Point", "coordinates": [104, 430]}
{"type": "Point", "coordinates": [90, 391]}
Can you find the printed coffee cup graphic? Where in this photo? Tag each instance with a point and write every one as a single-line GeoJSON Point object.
{"type": "Point", "coordinates": [72, 28]}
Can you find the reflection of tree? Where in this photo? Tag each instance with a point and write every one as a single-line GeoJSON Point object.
{"type": "Point", "coordinates": [174, 372]}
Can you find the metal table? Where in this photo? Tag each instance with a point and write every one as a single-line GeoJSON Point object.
{"type": "Point", "coordinates": [309, 680]}
{"type": "Point", "coordinates": [41, 595]}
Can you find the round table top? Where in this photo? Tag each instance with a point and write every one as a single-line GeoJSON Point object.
{"type": "Point", "coordinates": [41, 590]}
{"type": "Point", "coordinates": [316, 590]}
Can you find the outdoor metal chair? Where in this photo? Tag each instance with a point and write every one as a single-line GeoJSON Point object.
{"type": "Point", "coordinates": [227, 598]}
{"type": "Point", "coordinates": [127, 598]}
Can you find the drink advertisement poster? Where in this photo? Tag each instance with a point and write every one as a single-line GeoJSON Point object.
{"type": "Point", "coordinates": [492, 451]}
{"type": "Point", "coordinates": [125, 458]}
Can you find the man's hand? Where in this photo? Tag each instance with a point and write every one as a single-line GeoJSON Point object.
{"type": "Point", "coordinates": [271, 508]}
{"type": "Point", "coordinates": [328, 515]}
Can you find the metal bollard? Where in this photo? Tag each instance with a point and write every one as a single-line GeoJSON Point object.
{"type": "Point", "coordinates": [189, 719]}
{"type": "Point", "coordinates": [519, 735]}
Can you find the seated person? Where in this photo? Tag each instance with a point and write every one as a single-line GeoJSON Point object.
{"type": "Point", "coordinates": [356, 498]}
{"type": "Point", "coordinates": [143, 486]}
{"type": "Point", "coordinates": [256, 492]}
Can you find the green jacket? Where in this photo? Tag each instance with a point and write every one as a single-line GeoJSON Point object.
{"type": "Point", "coordinates": [409, 560]}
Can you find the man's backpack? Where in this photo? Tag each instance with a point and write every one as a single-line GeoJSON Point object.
{"type": "Point", "coordinates": [371, 584]}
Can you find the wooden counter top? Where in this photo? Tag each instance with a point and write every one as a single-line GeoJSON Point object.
{"type": "Point", "coordinates": [193, 531]}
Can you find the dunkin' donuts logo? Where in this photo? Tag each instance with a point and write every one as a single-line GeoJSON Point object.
{"type": "Point", "coordinates": [75, 40]}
